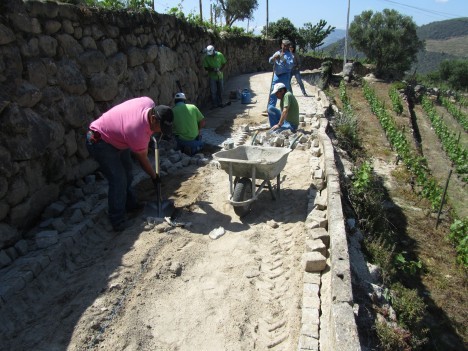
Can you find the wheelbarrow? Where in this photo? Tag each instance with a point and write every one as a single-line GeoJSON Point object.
{"type": "Point", "coordinates": [245, 165]}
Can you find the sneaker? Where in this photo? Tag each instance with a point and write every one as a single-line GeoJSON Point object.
{"type": "Point", "coordinates": [305, 94]}
{"type": "Point", "coordinates": [265, 114]}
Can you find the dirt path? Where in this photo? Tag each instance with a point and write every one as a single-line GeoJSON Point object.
{"type": "Point", "coordinates": [176, 288]}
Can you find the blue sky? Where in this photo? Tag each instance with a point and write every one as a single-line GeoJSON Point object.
{"type": "Point", "coordinates": [334, 12]}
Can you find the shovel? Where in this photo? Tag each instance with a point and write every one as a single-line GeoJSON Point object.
{"type": "Point", "coordinates": [159, 208]}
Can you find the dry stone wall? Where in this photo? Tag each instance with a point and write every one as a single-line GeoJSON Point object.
{"type": "Point", "coordinates": [62, 66]}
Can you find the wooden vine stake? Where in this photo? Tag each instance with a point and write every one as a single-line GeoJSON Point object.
{"type": "Point", "coordinates": [443, 197]}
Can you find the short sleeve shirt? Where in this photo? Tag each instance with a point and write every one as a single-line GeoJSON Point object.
{"type": "Point", "coordinates": [214, 61]}
{"type": "Point", "coordinates": [293, 111]}
{"type": "Point", "coordinates": [186, 119]}
{"type": "Point", "coordinates": [126, 126]}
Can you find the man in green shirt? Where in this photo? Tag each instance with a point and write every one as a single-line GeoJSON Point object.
{"type": "Point", "coordinates": [214, 62]}
{"type": "Point", "coordinates": [187, 125]}
{"type": "Point", "coordinates": [288, 116]}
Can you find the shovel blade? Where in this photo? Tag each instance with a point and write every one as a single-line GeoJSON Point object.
{"type": "Point", "coordinates": [161, 209]}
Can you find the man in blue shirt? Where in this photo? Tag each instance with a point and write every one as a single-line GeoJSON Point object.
{"type": "Point", "coordinates": [283, 62]}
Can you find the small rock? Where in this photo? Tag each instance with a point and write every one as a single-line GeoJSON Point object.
{"type": "Point", "coordinates": [273, 224]}
{"type": "Point", "coordinates": [217, 233]}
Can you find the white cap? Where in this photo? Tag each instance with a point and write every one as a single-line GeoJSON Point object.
{"type": "Point", "coordinates": [210, 50]}
{"type": "Point", "coordinates": [277, 87]}
{"type": "Point", "coordinates": [180, 96]}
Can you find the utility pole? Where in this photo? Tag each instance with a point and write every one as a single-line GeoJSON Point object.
{"type": "Point", "coordinates": [346, 39]}
{"type": "Point", "coordinates": [201, 12]}
{"type": "Point", "coordinates": [266, 31]}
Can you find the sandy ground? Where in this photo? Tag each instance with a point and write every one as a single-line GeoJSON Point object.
{"type": "Point", "coordinates": [176, 288]}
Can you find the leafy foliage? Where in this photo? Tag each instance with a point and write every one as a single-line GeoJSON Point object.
{"type": "Point", "coordinates": [457, 153]}
{"type": "Point", "coordinates": [388, 39]}
{"type": "Point", "coordinates": [396, 100]}
{"type": "Point", "coordinates": [410, 308]}
{"type": "Point", "coordinates": [312, 36]}
{"type": "Point", "coordinates": [459, 237]}
{"type": "Point", "coordinates": [345, 124]}
{"type": "Point", "coordinates": [283, 28]}
{"type": "Point", "coordinates": [237, 10]}
{"type": "Point", "coordinates": [415, 164]}
{"type": "Point", "coordinates": [120, 4]}
{"type": "Point", "coordinates": [454, 73]}
{"type": "Point", "coordinates": [456, 112]}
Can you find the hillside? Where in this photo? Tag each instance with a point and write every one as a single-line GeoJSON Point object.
{"type": "Point", "coordinates": [445, 40]}
{"type": "Point", "coordinates": [443, 30]}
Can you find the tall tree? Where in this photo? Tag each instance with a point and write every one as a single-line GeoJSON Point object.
{"type": "Point", "coordinates": [237, 10]}
{"type": "Point", "coordinates": [312, 36]}
{"type": "Point", "coordinates": [283, 28]}
{"type": "Point", "coordinates": [387, 38]}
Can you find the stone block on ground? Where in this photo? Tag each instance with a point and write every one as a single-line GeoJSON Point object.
{"type": "Point", "coordinates": [316, 245]}
{"type": "Point", "coordinates": [314, 262]}
{"type": "Point", "coordinates": [321, 234]}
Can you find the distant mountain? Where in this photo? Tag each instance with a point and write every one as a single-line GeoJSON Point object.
{"type": "Point", "coordinates": [336, 35]}
{"type": "Point", "coordinates": [442, 30]}
{"type": "Point", "coordinates": [445, 40]}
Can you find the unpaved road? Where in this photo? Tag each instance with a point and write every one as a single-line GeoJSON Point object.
{"type": "Point", "coordinates": [178, 289]}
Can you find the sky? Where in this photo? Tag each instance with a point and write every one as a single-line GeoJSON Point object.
{"type": "Point", "coordinates": [334, 12]}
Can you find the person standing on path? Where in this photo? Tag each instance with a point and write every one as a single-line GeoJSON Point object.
{"type": "Point", "coordinates": [283, 62]}
{"type": "Point", "coordinates": [214, 62]}
{"type": "Point", "coordinates": [111, 138]}
{"type": "Point", "coordinates": [296, 70]}
{"type": "Point", "coordinates": [188, 122]}
{"type": "Point", "coordinates": [288, 116]}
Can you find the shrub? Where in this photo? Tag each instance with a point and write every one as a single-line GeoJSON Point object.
{"type": "Point", "coordinates": [409, 307]}
{"type": "Point", "coordinates": [392, 338]}
{"type": "Point", "coordinates": [459, 237]}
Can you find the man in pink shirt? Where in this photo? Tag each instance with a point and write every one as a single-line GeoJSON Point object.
{"type": "Point", "coordinates": [111, 138]}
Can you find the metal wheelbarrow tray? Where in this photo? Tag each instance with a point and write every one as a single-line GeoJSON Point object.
{"type": "Point", "coordinates": [246, 164]}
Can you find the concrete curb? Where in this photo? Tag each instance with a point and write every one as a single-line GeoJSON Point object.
{"type": "Point", "coordinates": [343, 329]}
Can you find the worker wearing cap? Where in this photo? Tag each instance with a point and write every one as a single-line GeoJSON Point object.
{"type": "Point", "coordinates": [188, 122]}
{"type": "Point", "coordinates": [111, 138]}
{"type": "Point", "coordinates": [214, 62]}
{"type": "Point", "coordinates": [283, 62]}
{"type": "Point", "coordinates": [288, 116]}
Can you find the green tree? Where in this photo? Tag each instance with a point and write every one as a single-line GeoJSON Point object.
{"type": "Point", "coordinates": [312, 36]}
{"type": "Point", "coordinates": [237, 10]}
{"type": "Point", "coordinates": [455, 73]}
{"type": "Point", "coordinates": [283, 28]}
{"type": "Point", "coordinates": [387, 38]}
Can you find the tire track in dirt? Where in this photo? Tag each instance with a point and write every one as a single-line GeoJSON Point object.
{"type": "Point", "coordinates": [278, 280]}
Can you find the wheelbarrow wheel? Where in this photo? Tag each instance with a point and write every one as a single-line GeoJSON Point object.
{"type": "Point", "coordinates": [242, 192]}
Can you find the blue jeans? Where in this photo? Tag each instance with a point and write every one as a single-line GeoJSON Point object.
{"type": "Point", "coordinates": [297, 74]}
{"type": "Point", "coordinates": [116, 165]}
{"type": "Point", "coordinates": [284, 78]}
{"type": "Point", "coordinates": [217, 88]}
{"type": "Point", "coordinates": [190, 147]}
{"type": "Point", "coordinates": [274, 115]}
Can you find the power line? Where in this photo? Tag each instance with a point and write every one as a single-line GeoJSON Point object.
{"type": "Point", "coordinates": [432, 12]}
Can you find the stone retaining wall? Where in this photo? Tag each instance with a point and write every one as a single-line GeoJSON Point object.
{"type": "Point", "coordinates": [62, 65]}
